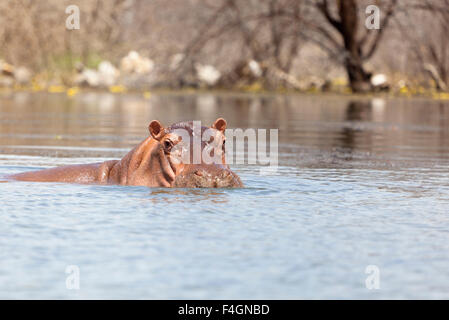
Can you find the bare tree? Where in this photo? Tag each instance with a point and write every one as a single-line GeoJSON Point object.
{"type": "Point", "coordinates": [267, 31]}
{"type": "Point", "coordinates": [341, 35]}
{"type": "Point", "coordinates": [429, 41]}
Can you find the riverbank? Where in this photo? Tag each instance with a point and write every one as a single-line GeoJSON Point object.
{"type": "Point", "coordinates": [138, 74]}
{"type": "Point", "coordinates": [250, 90]}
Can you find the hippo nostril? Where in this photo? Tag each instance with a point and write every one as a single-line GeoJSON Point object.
{"type": "Point", "coordinates": [226, 174]}
{"type": "Point", "coordinates": [198, 173]}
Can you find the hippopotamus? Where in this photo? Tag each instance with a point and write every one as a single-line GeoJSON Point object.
{"type": "Point", "coordinates": [164, 159]}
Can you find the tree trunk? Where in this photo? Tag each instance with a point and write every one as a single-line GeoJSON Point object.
{"type": "Point", "coordinates": [359, 79]}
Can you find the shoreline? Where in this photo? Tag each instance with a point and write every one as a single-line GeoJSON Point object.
{"type": "Point", "coordinates": [120, 90]}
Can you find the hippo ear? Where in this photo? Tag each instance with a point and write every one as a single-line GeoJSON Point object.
{"type": "Point", "coordinates": [156, 129]}
{"type": "Point", "coordinates": [219, 124]}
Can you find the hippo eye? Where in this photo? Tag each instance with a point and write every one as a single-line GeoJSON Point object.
{"type": "Point", "coordinates": [168, 144]}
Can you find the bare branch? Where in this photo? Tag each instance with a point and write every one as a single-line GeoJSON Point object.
{"type": "Point", "coordinates": [323, 6]}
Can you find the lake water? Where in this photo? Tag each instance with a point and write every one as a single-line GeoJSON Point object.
{"type": "Point", "coordinates": [360, 183]}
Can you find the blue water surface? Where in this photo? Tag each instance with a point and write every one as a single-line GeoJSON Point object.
{"type": "Point", "coordinates": [348, 194]}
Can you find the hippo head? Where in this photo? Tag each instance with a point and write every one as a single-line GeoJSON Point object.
{"type": "Point", "coordinates": [194, 156]}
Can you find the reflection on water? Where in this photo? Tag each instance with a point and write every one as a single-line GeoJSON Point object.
{"type": "Point", "coordinates": [392, 127]}
{"type": "Point", "coordinates": [360, 182]}
{"type": "Point", "coordinates": [188, 195]}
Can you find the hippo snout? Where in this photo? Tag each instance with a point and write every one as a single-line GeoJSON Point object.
{"type": "Point", "coordinates": [208, 178]}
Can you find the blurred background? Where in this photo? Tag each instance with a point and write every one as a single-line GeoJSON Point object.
{"type": "Point", "coordinates": [251, 45]}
